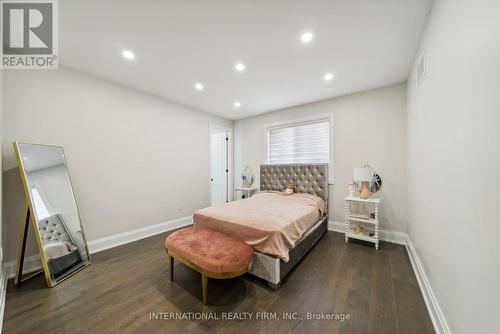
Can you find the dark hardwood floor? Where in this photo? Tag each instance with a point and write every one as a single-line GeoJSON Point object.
{"type": "Point", "coordinates": [124, 285]}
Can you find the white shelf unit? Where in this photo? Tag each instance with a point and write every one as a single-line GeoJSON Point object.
{"type": "Point", "coordinates": [246, 192]}
{"type": "Point", "coordinates": [349, 219]}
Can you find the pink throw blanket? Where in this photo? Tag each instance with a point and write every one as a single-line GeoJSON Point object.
{"type": "Point", "coordinates": [268, 221]}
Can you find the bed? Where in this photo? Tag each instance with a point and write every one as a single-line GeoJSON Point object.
{"type": "Point", "coordinates": [281, 229]}
{"type": "Point", "coordinates": [60, 249]}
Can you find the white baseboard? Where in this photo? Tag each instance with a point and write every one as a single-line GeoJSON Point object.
{"type": "Point", "coordinates": [32, 263]}
{"type": "Point", "coordinates": [384, 235]}
{"type": "Point", "coordinates": [437, 316]}
{"type": "Point", "coordinates": [98, 245]}
{"type": "Point", "coordinates": [3, 294]}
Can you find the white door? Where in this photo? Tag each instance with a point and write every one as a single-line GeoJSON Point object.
{"type": "Point", "coordinates": [219, 177]}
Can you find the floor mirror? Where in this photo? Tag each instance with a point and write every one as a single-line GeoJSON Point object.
{"type": "Point", "coordinates": [52, 212]}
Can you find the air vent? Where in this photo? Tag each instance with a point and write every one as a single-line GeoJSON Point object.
{"type": "Point", "coordinates": [421, 68]}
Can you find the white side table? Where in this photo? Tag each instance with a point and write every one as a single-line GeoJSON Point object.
{"type": "Point", "coordinates": [351, 219]}
{"type": "Point", "coordinates": [245, 192]}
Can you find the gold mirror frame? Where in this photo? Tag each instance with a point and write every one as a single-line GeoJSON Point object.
{"type": "Point", "coordinates": [31, 216]}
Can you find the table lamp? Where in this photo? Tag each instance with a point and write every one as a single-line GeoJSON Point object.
{"type": "Point", "coordinates": [363, 175]}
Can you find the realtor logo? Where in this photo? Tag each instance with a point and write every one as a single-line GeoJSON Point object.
{"type": "Point", "coordinates": [29, 34]}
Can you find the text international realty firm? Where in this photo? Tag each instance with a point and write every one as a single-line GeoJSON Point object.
{"type": "Point", "coordinates": [248, 316]}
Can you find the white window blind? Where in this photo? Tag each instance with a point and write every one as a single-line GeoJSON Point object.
{"type": "Point", "coordinates": [40, 208]}
{"type": "Point", "coordinates": [300, 143]}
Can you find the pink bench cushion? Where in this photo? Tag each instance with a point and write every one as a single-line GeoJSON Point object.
{"type": "Point", "coordinates": [213, 251]}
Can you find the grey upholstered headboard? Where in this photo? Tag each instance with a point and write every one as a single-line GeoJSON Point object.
{"type": "Point", "coordinates": [53, 229]}
{"type": "Point", "coordinates": [309, 178]}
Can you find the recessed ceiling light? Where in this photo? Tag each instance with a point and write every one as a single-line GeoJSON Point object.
{"type": "Point", "coordinates": [306, 37]}
{"type": "Point", "coordinates": [199, 86]}
{"type": "Point", "coordinates": [128, 54]}
{"type": "Point", "coordinates": [237, 104]}
{"type": "Point", "coordinates": [328, 77]}
{"type": "Point", "coordinates": [239, 67]}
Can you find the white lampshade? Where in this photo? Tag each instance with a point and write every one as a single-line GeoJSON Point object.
{"type": "Point", "coordinates": [362, 174]}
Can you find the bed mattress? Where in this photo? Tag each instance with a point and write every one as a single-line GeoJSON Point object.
{"type": "Point", "coordinates": [269, 221]}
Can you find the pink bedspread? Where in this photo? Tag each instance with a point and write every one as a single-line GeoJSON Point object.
{"type": "Point", "coordinates": [268, 221]}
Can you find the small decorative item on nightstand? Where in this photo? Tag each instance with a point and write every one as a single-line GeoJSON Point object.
{"type": "Point", "coordinates": [370, 181]}
{"type": "Point", "coordinates": [247, 178]}
{"type": "Point", "coordinates": [361, 226]}
{"type": "Point", "coordinates": [246, 188]}
{"type": "Point", "coordinates": [365, 176]}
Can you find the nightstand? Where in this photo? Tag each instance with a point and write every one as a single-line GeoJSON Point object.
{"type": "Point", "coordinates": [368, 221]}
{"type": "Point", "coordinates": [245, 192]}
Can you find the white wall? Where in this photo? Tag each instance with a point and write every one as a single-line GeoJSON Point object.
{"type": "Point", "coordinates": [368, 126]}
{"type": "Point", "coordinates": [136, 160]}
{"type": "Point", "coordinates": [454, 161]}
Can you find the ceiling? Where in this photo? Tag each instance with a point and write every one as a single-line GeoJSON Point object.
{"type": "Point", "coordinates": [177, 43]}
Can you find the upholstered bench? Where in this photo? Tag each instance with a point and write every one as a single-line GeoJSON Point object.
{"type": "Point", "coordinates": [212, 254]}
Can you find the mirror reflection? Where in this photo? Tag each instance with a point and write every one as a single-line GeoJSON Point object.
{"type": "Point", "coordinates": [61, 236]}
{"type": "Point", "coordinates": [247, 177]}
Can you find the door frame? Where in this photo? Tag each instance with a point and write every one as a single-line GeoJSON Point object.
{"type": "Point", "coordinates": [229, 183]}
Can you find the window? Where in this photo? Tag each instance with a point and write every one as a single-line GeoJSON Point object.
{"type": "Point", "coordinates": [40, 207]}
{"type": "Point", "coordinates": [299, 143]}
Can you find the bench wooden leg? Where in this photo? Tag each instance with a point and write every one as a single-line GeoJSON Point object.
{"type": "Point", "coordinates": [204, 288]}
{"type": "Point", "coordinates": [171, 260]}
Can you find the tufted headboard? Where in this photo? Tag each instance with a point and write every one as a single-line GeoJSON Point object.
{"type": "Point", "coordinates": [309, 178]}
{"type": "Point", "coordinates": [53, 229]}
